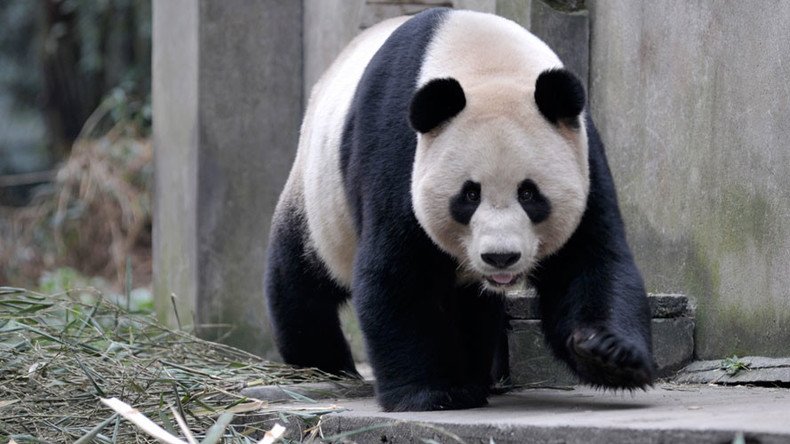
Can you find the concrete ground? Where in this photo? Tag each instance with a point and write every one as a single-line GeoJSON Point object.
{"type": "Point", "coordinates": [667, 414]}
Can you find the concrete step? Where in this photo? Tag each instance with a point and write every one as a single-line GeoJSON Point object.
{"type": "Point", "coordinates": [667, 414]}
{"type": "Point", "coordinates": [532, 364]}
{"type": "Point", "coordinates": [751, 370]}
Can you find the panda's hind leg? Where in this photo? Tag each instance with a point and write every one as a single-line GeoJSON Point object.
{"type": "Point", "coordinates": [303, 300]}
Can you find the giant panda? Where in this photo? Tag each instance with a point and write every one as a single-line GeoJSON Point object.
{"type": "Point", "coordinates": [444, 160]}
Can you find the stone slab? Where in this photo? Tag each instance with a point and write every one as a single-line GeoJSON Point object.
{"type": "Point", "coordinates": [673, 344]}
{"type": "Point", "coordinates": [524, 305]}
{"type": "Point", "coordinates": [669, 305]}
{"type": "Point", "coordinates": [532, 363]}
{"type": "Point", "coordinates": [761, 370]}
{"type": "Point", "coordinates": [669, 413]}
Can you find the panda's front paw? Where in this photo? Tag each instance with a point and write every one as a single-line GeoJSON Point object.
{"type": "Point", "coordinates": [604, 358]}
{"type": "Point", "coordinates": [415, 398]}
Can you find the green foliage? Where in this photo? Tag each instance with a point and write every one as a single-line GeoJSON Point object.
{"type": "Point", "coordinates": [125, 109]}
{"type": "Point", "coordinates": [733, 365]}
{"type": "Point", "coordinates": [66, 279]}
{"type": "Point", "coordinates": [59, 59]}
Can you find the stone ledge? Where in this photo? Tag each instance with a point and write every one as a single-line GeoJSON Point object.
{"type": "Point", "coordinates": [669, 413]}
{"type": "Point", "coordinates": [673, 344]}
{"type": "Point", "coordinates": [759, 371]}
{"type": "Point", "coordinates": [669, 305]}
{"type": "Point", "coordinates": [524, 305]}
{"type": "Point", "coordinates": [532, 363]}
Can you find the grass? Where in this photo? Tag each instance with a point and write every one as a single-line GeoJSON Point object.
{"type": "Point", "coordinates": [61, 354]}
{"type": "Point", "coordinates": [734, 365]}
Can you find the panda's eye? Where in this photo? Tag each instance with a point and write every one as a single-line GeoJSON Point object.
{"type": "Point", "coordinates": [535, 203]}
{"type": "Point", "coordinates": [525, 195]}
{"type": "Point", "coordinates": [464, 204]}
{"type": "Point", "coordinates": [472, 195]}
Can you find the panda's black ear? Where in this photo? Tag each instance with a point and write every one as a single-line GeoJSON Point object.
{"type": "Point", "coordinates": [560, 96]}
{"type": "Point", "coordinates": [435, 103]}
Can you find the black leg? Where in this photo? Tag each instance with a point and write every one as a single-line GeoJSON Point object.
{"type": "Point", "coordinates": [593, 302]}
{"type": "Point", "coordinates": [303, 302]}
{"type": "Point", "coordinates": [483, 325]}
{"type": "Point", "coordinates": [403, 293]}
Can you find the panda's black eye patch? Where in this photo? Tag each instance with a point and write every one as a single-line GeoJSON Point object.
{"type": "Point", "coordinates": [464, 204]}
{"type": "Point", "coordinates": [534, 203]}
{"type": "Point", "coordinates": [525, 195]}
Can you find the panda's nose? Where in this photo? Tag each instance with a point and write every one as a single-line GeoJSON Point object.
{"type": "Point", "coordinates": [501, 260]}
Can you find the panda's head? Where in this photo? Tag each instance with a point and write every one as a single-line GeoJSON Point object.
{"type": "Point", "coordinates": [500, 176]}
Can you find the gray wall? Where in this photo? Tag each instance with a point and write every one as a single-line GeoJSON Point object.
{"type": "Point", "coordinates": [175, 137]}
{"type": "Point", "coordinates": [227, 88]}
{"type": "Point", "coordinates": [692, 100]}
{"type": "Point", "coordinates": [330, 24]}
{"type": "Point", "coordinates": [690, 97]}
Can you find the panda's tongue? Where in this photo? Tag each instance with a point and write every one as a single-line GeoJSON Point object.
{"type": "Point", "coordinates": [502, 278]}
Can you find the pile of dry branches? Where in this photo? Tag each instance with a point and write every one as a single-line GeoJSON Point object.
{"type": "Point", "coordinates": [94, 217]}
{"type": "Point", "coordinates": [60, 354]}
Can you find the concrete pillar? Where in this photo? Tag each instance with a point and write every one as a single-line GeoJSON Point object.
{"type": "Point", "coordinates": [328, 27]}
{"type": "Point", "coordinates": [227, 98]}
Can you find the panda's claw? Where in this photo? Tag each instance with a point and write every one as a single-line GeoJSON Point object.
{"type": "Point", "coordinates": [606, 359]}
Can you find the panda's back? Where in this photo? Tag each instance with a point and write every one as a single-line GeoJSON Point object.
{"type": "Point", "coordinates": [317, 167]}
{"type": "Point", "coordinates": [317, 179]}
{"type": "Point", "coordinates": [356, 137]}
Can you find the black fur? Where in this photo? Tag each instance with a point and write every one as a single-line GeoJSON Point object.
{"type": "Point", "coordinates": [430, 342]}
{"type": "Point", "coordinates": [537, 206]}
{"type": "Point", "coordinates": [435, 103]}
{"type": "Point", "coordinates": [404, 287]}
{"type": "Point", "coordinates": [560, 96]}
{"type": "Point", "coordinates": [303, 300]}
{"type": "Point", "coordinates": [462, 206]}
{"type": "Point", "coordinates": [377, 137]}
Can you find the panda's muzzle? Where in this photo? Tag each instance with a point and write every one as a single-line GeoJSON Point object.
{"type": "Point", "coordinates": [500, 260]}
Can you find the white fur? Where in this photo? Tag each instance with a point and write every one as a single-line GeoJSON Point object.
{"type": "Point", "coordinates": [316, 171]}
{"type": "Point", "coordinates": [498, 140]}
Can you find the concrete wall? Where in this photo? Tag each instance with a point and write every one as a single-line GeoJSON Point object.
{"type": "Point", "coordinates": [330, 24]}
{"type": "Point", "coordinates": [227, 80]}
{"type": "Point", "coordinates": [692, 99]}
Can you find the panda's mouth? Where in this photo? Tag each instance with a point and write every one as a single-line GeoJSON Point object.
{"type": "Point", "coordinates": [503, 279]}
